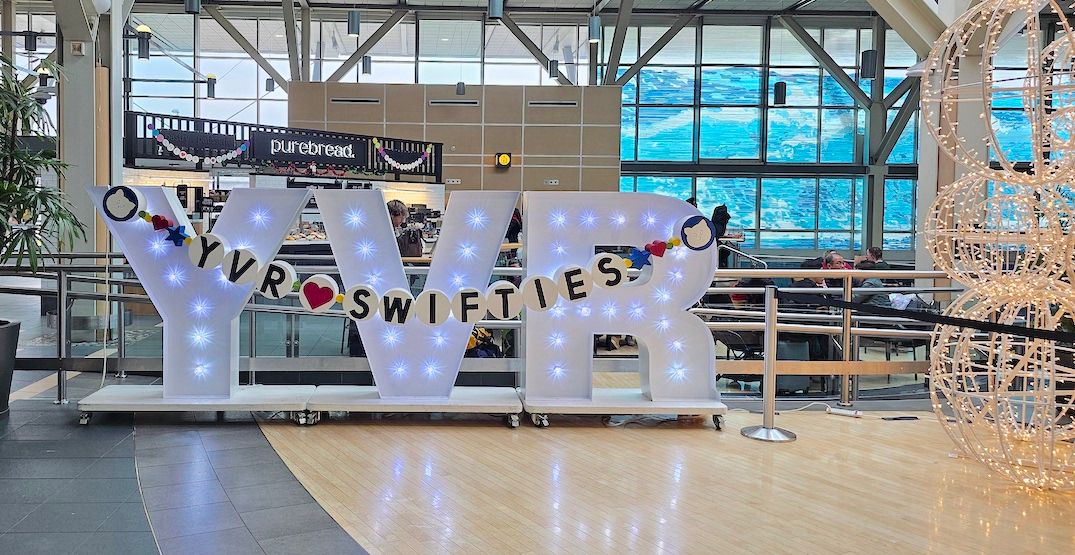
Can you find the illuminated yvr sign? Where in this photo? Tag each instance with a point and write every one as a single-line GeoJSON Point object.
{"type": "Point", "coordinates": [306, 147]}
{"type": "Point", "coordinates": [415, 345]}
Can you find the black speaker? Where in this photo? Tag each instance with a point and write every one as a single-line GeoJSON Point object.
{"type": "Point", "coordinates": [868, 64]}
{"type": "Point", "coordinates": [780, 93]}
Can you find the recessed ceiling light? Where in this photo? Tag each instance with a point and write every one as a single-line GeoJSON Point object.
{"type": "Point", "coordinates": [444, 39]}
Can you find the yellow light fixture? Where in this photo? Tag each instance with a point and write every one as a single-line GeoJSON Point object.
{"type": "Point", "coordinates": [503, 159]}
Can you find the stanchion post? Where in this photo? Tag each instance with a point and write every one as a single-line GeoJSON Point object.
{"type": "Point", "coordinates": [768, 430]}
{"type": "Point", "coordinates": [845, 347]}
{"type": "Point", "coordinates": [61, 337]}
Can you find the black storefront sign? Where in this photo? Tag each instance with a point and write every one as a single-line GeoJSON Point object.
{"type": "Point", "coordinates": [307, 148]}
{"type": "Point", "coordinates": [198, 142]}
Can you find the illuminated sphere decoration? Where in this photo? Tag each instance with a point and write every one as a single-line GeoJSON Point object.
{"type": "Point", "coordinates": [1006, 233]}
{"type": "Point", "coordinates": [978, 229]}
{"type": "Point", "coordinates": [1009, 408]}
{"type": "Point", "coordinates": [961, 82]}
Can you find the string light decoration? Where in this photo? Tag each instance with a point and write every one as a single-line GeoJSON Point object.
{"type": "Point", "coordinates": [961, 82]}
{"type": "Point", "coordinates": [1006, 234]}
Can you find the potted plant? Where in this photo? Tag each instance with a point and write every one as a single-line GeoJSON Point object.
{"type": "Point", "coordinates": [34, 219]}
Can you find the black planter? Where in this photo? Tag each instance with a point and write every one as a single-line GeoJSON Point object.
{"type": "Point", "coordinates": [9, 341]}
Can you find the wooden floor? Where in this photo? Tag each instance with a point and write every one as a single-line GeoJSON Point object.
{"type": "Point", "coordinates": [846, 486]}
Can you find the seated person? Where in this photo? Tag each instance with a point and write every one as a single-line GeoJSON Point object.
{"type": "Point", "coordinates": [875, 256]}
{"type": "Point", "coordinates": [875, 299]}
{"type": "Point", "coordinates": [748, 300]}
{"type": "Point", "coordinates": [834, 261]}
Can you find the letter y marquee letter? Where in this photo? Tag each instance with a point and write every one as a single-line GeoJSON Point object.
{"type": "Point", "coordinates": [675, 348]}
{"type": "Point", "coordinates": [200, 307]}
{"type": "Point", "coordinates": [415, 359]}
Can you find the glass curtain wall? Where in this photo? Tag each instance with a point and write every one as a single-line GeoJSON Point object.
{"type": "Point", "coordinates": [720, 114]}
{"type": "Point", "coordinates": [700, 119]}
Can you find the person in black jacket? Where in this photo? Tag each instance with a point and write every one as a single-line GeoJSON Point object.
{"type": "Point", "coordinates": [720, 218]}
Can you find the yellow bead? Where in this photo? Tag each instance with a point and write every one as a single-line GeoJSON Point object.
{"type": "Point", "coordinates": [188, 240]}
{"type": "Point", "coordinates": [675, 241]}
{"type": "Point", "coordinates": [627, 263]}
{"type": "Point", "coordinates": [339, 298]}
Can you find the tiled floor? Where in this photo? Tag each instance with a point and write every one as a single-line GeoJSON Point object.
{"type": "Point", "coordinates": [208, 485]}
{"type": "Point", "coordinates": [216, 486]}
{"type": "Point", "coordinates": [66, 488]}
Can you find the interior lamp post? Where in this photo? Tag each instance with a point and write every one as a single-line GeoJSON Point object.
{"type": "Point", "coordinates": [210, 85]}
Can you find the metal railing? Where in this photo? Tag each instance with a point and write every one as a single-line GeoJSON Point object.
{"type": "Point", "coordinates": [845, 325]}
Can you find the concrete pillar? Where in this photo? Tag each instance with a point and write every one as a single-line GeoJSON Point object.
{"type": "Point", "coordinates": [78, 110]}
{"type": "Point", "coordinates": [7, 24]}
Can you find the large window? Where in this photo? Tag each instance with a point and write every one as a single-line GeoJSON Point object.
{"type": "Point", "coordinates": [803, 213]}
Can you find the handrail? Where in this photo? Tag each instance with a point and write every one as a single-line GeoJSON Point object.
{"type": "Point", "coordinates": [65, 273]}
{"type": "Point", "coordinates": [738, 252]}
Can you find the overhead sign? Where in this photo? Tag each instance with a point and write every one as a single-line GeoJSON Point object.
{"type": "Point", "coordinates": [307, 148]}
{"type": "Point", "coordinates": [197, 141]}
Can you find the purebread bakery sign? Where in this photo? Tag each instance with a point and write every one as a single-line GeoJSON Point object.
{"type": "Point", "coordinates": [307, 148]}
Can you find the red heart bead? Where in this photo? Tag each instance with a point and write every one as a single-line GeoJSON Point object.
{"type": "Point", "coordinates": [160, 222]}
{"type": "Point", "coordinates": [656, 248]}
{"type": "Point", "coordinates": [316, 295]}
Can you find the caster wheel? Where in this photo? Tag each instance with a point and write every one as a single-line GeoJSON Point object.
{"type": "Point", "coordinates": [513, 420]}
{"type": "Point", "coordinates": [84, 418]}
{"type": "Point", "coordinates": [718, 421]}
{"type": "Point", "coordinates": [540, 420]}
{"type": "Point", "coordinates": [605, 420]}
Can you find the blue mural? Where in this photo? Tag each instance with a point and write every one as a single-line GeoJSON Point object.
{"type": "Point", "coordinates": [817, 124]}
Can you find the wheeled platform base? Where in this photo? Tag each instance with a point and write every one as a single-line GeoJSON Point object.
{"type": "Point", "coordinates": [606, 401]}
{"type": "Point", "coordinates": [356, 398]}
{"type": "Point", "coordinates": [150, 398]}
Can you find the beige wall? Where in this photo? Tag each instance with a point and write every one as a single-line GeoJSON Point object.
{"type": "Point", "coordinates": [567, 134]}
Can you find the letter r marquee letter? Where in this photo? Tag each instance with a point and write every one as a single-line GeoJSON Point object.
{"type": "Point", "coordinates": [675, 348]}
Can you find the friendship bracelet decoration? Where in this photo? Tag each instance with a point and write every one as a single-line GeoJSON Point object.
{"type": "Point", "coordinates": [397, 165]}
{"type": "Point", "coordinates": [211, 160]}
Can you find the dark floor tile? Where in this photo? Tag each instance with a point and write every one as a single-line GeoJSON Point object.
{"type": "Point", "coordinates": [236, 439]}
{"type": "Point", "coordinates": [285, 521]}
{"type": "Point", "coordinates": [129, 517]}
{"type": "Point", "coordinates": [47, 543]}
{"type": "Point", "coordinates": [11, 513]}
{"type": "Point", "coordinates": [40, 431]}
{"type": "Point", "coordinates": [143, 441]}
{"type": "Point", "coordinates": [239, 457]}
{"type": "Point", "coordinates": [43, 449]}
{"type": "Point", "coordinates": [96, 490]}
{"type": "Point", "coordinates": [268, 496]}
{"type": "Point", "coordinates": [234, 541]}
{"type": "Point", "coordinates": [124, 448]}
{"type": "Point", "coordinates": [110, 468]}
{"type": "Point", "coordinates": [183, 495]}
{"type": "Point", "coordinates": [43, 468]}
{"type": "Point", "coordinates": [29, 490]}
{"type": "Point", "coordinates": [182, 473]}
{"type": "Point", "coordinates": [171, 455]}
{"type": "Point", "coordinates": [255, 474]}
{"type": "Point", "coordinates": [66, 517]}
{"type": "Point", "coordinates": [328, 542]}
{"type": "Point", "coordinates": [171, 523]}
{"type": "Point", "coordinates": [116, 543]}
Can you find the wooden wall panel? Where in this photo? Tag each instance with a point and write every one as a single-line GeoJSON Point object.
{"type": "Point", "coordinates": [577, 144]}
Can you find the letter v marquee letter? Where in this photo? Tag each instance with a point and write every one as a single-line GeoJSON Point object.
{"type": "Point", "coordinates": [675, 348]}
{"type": "Point", "coordinates": [415, 359]}
{"type": "Point", "coordinates": [200, 307]}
